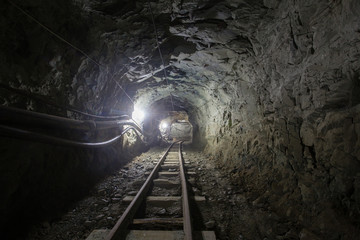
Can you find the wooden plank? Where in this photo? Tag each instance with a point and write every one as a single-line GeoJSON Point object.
{"type": "Point", "coordinates": [155, 235]}
{"type": "Point", "coordinates": [158, 201]}
{"type": "Point", "coordinates": [171, 174]}
{"type": "Point", "coordinates": [155, 199]}
{"type": "Point", "coordinates": [165, 183]}
{"type": "Point", "coordinates": [98, 234]}
{"type": "Point", "coordinates": [200, 199]}
{"type": "Point", "coordinates": [168, 174]}
{"type": "Point", "coordinates": [162, 200]}
{"type": "Point", "coordinates": [159, 221]}
{"type": "Point", "coordinates": [173, 161]}
{"type": "Point", "coordinates": [167, 167]}
{"type": "Point", "coordinates": [208, 235]}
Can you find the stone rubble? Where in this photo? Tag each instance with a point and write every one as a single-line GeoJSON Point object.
{"type": "Point", "coordinates": [227, 211]}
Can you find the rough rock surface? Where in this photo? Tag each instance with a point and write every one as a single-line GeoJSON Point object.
{"type": "Point", "coordinates": [101, 208]}
{"type": "Point", "coordinates": [227, 210]}
{"type": "Point", "coordinates": [272, 89]}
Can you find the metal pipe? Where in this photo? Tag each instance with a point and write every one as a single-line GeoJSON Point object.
{"type": "Point", "coordinates": [25, 134]}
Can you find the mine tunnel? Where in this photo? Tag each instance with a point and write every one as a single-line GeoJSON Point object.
{"type": "Point", "coordinates": [257, 102]}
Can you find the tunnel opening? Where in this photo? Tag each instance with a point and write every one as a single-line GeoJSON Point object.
{"type": "Point", "coordinates": [167, 119]}
{"type": "Point", "coordinates": [176, 127]}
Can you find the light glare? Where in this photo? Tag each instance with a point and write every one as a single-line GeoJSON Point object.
{"type": "Point", "coordinates": [164, 125]}
{"type": "Point", "coordinates": [138, 115]}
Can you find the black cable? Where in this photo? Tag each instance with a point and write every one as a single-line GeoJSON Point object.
{"type": "Point", "coordinates": [25, 134]}
{"type": "Point", "coordinates": [67, 42]}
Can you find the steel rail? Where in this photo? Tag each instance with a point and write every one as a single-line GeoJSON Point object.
{"type": "Point", "coordinates": [13, 116]}
{"type": "Point", "coordinates": [25, 134]}
{"type": "Point", "coordinates": [119, 231]}
{"type": "Point", "coordinates": [185, 199]}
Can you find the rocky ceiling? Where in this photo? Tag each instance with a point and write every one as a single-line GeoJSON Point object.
{"type": "Point", "coordinates": [220, 52]}
{"type": "Point", "coordinates": [206, 48]}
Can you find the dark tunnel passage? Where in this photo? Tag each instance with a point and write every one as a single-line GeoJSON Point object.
{"type": "Point", "coordinates": [265, 94]}
{"type": "Point", "coordinates": [168, 119]}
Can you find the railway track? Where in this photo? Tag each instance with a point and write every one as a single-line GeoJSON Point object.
{"type": "Point", "coordinates": [161, 209]}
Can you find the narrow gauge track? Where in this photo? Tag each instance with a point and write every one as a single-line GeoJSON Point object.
{"type": "Point", "coordinates": [138, 221]}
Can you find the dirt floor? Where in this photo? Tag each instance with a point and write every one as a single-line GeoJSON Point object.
{"type": "Point", "coordinates": [226, 210]}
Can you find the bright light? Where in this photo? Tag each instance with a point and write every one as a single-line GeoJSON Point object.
{"type": "Point", "coordinates": [138, 115]}
{"type": "Point", "coordinates": [164, 125]}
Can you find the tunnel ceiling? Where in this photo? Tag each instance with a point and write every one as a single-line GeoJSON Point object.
{"type": "Point", "coordinates": [205, 45]}
{"type": "Point", "coordinates": [256, 59]}
{"type": "Point", "coordinates": [228, 63]}
{"type": "Point", "coordinates": [213, 52]}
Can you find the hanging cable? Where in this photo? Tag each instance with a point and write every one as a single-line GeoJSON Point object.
{"type": "Point", "coordinates": [118, 84]}
{"type": "Point", "coordinates": [160, 53]}
{"type": "Point", "coordinates": [65, 41]}
{"type": "Point", "coordinates": [53, 33]}
{"type": "Point", "coordinates": [12, 132]}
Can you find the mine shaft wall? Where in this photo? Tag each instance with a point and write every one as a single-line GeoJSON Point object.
{"type": "Point", "coordinates": [293, 134]}
{"type": "Point", "coordinates": [40, 181]}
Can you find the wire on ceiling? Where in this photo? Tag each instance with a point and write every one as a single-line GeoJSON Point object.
{"type": "Point", "coordinates": [68, 43]}
{"type": "Point", "coordinates": [160, 53]}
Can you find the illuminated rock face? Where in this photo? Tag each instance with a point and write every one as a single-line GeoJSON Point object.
{"type": "Point", "coordinates": [271, 87]}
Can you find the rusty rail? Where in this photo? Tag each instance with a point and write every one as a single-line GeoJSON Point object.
{"type": "Point", "coordinates": [185, 199]}
{"type": "Point", "coordinates": [119, 231]}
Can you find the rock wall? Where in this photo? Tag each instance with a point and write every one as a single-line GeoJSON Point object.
{"type": "Point", "coordinates": [34, 60]}
{"type": "Point", "coordinates": [40, 181]}
{"type": "Point", "coordinates": [294, 132]}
